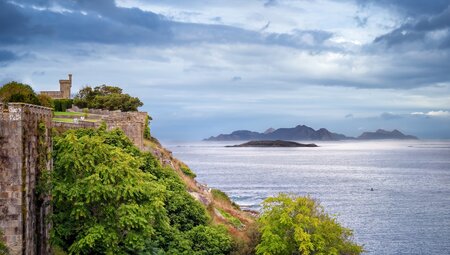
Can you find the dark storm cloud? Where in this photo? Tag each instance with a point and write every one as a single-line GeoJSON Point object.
{"type": "Point", "coordinates": [15, 26]}
{"type": "Point", "coordinates": [418, 30]}
{"type": "Point", "coordinates": [7, 56]}
{"type": "Point", "coordinates": [104, 22]}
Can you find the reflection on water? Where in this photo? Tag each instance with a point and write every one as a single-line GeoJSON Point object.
{"type": "Point", "coordinates": [408, 211]}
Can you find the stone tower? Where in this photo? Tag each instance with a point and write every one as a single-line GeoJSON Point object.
{"type": "Point", "coordinates": [65, 86]}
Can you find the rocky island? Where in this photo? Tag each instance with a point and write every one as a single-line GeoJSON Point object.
{"type": "Point", "coordinates": [382, 134]}
{"type": "Point", "coordinates": [276, 143]}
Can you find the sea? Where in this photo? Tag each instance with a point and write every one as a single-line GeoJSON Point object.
{"type": "Point", "coordinates": [395, 195]}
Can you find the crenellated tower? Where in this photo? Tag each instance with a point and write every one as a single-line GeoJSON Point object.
{"type": "Point", "coordinates": [65, 86]}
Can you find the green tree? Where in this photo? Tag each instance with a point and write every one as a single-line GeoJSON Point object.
{"type": "Point", "coordinates": [45, 100]}
{"type": "Point", "coordinates": [111, 198]}
{"type": "Point", "coordinates": [106, 97]}
{"type": "Point", "coordinates": [292, 224]}
{"type": "Point", "coordinates": [18, 92]}
{"type": "Point", "coordinates": [103, 202]}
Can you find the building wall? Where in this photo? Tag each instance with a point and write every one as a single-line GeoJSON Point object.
{"type": "Point", "coordinates": [25, 149]}
{"type": "Point", "coordinates": [53, 94]}
{"type": "Point", "coordinates": [64, 90]}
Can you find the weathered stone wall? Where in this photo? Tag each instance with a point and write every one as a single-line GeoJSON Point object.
{"type": "Point", "coordinates": [64, 126]}
{"type": "Point", "coordinates": [132, 124]}
{"type": "Point", "coordinates": [25, 151]}
{"type": "Point", "coordinates": [53, 94]}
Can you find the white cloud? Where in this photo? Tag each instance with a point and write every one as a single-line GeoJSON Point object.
{"type": "Point", "coordinates": [439, 113]}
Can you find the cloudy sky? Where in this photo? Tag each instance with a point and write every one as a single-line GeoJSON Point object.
{"type": "Point", "coordinates": [205, 67]}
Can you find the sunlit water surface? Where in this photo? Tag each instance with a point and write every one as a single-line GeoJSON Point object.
{"type": "Point", "coordinates": [408, 211]}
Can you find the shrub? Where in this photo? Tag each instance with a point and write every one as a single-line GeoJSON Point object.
{"type": "Point", "coordinates": [291, 224]}
{"type": "Point", "coordinates": [45, 100]}
{"type": "Point", "coordinates": [209, 240]}
{"type": "Point", "coordinates": [187, 171]}
{"type": "Point", "coordinates": [61, 105]}
{"type": "Point", "coordinates": [147, 134]}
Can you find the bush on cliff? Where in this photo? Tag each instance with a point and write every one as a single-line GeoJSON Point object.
{"type": "Point", "coordinates": [107, 98]}
{"type": "Point", "coordinates": [298, 225]}
{"type": "Point", "coordinates": [110, 198]}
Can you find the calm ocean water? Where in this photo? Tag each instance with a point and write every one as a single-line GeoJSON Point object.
{"type": "Point", "coordinates": [408, 212]}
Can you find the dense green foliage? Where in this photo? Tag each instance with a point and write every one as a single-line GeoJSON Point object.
{"type": "Point", "coordinates": [45, 100]}
{"type": "Point", "coordinates": [147, 134]}
{"type": "Point", "coordinates": [298, 225]}
{"type": "Point", "coordinates": [106, 97]}
{"type": "Point", "coordinates": [110, 198]}
{"type": "Point", "coordinates": [18, 92]}
{"type": "Point", "coordinates": [3, 248]}
{"type": "Point", "coordinates": [61, 105]}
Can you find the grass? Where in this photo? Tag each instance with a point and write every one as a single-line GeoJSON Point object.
{"type": "Point", "coordinates": [65, 120]}
{"type": "Point", "coordinates": [68, 114]}
{"type": "Point", "coordinates": [232, 220]}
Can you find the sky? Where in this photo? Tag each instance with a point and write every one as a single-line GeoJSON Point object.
{"type": "Point", "coordinates": [206, 67]}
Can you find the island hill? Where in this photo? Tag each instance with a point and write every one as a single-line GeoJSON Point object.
{"type": "Point", "coordinates": [302, 132]}
{"type": "Point", "coordinates": [277, 143]}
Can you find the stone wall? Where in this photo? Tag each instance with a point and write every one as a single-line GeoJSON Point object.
{"type": "Point", "coordinates": [25, 151]}
{"type": "Point", "coordinates": [64, 126]}
{"type": "Point", "coordinates": [132, 124]}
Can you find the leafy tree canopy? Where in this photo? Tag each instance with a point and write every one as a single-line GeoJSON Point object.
{"type": "Point", "coordinates": [298, 225]}
{"type": "Point", "coordinates": [106, 97]}
{"type": "Point", "coordinates": [18, 92]}
{"type": "Point", "coordinates": [110, 198]}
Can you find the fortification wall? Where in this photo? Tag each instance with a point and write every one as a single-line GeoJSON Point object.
{"type": "Point", "coordinates": [64, 126]}
{"type": "Point", "coordinates": [25, 152]}
{"type": "Point", "coordinates": [132, 124]}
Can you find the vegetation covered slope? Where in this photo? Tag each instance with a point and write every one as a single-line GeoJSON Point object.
{"type": "Point", "coordinates": [110, 198]}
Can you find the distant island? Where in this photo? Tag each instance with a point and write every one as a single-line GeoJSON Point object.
{"type": "Point", "coordinates": [302, 132]}
{"type": "Point", "coordinates": [276, 143]}
{"type": "Point", "coordinates": [383, 134]}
